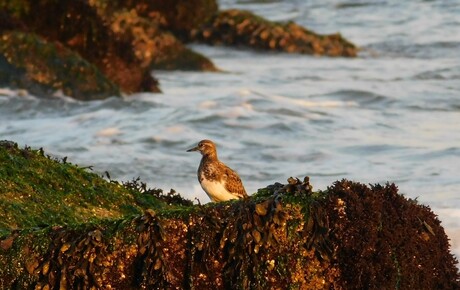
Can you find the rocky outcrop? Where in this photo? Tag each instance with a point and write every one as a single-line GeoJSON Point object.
{"type": "Point", "coordinates": [154, 47]}
{"type": "Point", "coordinates": [178, 16]}
{"type": "Point", "coordinates": [125, 40]}
{"type": "Point", "coordinates": [243, 28]}
{"type": "Point", "coordinates": [349, 236]}
{"type": "Point", "coordinates": [57, 68]}
{"type": "Point", "coordinates": [77, 26]}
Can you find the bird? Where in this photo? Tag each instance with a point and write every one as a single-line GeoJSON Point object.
{"type": "Point", "coordinates": [218, 180]}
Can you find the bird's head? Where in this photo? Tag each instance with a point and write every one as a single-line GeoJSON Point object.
{"type": "Point", "coordinates": [206, 148]}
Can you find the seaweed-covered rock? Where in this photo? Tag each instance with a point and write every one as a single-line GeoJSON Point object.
{"type": "Point", "coordinates": [178, 16]}
{"type": "Point", "coordinates": [385, 240]}
{"type": "Point", "coordinates": [154, 47]}
{"type": "Point", "coordinates": [243, 28]}
{"type": "Point", "coordinates": [124, 40]}
{"type": "Point", "coordinates": [77, 25]}
{"type": "Point", "coordinates": [56, 68]}
{"type": "Point", "coordinates": [285, 236]}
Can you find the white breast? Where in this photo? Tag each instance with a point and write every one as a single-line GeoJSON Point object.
{"type": "Point", "coordinates": [216, 191]}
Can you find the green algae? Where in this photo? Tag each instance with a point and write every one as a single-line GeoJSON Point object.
{"type": "Point", "coordinates": [38, 190]}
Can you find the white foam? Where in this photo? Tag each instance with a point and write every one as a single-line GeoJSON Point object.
{"type": "Point", "coordinates": [109, 132]}
{"type": "Point", "coordinates": [208, 104]}
{"type": "Point", "coordinates": [7, 92]}
{"type": "Point", "coordinates": [283, 101]}
{"type": "Point", "coordinates": [313, 104]}
{"type": "Point", "coordinates": [175, 129]}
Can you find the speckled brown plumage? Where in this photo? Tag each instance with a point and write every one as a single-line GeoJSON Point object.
{"type": "Point", "coordinates": [218, 180]}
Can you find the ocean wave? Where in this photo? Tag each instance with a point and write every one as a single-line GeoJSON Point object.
{"type": "Point", "coordinates": [372, 149]}
{"type": "Point", "coordinates": [406, 49]}
{"type": "Point", "coordinates": [450, 73]}
{"type": "Point", "coordinates": [361, 98]}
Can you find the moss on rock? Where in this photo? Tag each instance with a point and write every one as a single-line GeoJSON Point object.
{"type": "Point", "coordinates": [37, 190]}
{"type": "Point", "coordinates": [56, 68]}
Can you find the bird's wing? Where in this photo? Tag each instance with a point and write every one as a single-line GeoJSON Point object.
{"type": "Point", "coordinates": [233, 182]}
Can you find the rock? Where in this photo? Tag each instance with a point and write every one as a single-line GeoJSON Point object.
{"type": "Point", "coordinates": [77, 26]}
{"type": "Point", "coordinates": [124, 40]}
{"type": "Point", "coordinates": [154, 47]}
{"type": "Point", "coordinates": [37, 190]}
{"type": "Point", "coordinates": [284, 236]}
{"type": "Point", "coordinates": [243, 28]}
{"type": "Point", "coordinates": [386, 240]}
{"type": "Point", "coordinates": [178, 16]}
{"type": "Point", "coordinates": [57, 68]}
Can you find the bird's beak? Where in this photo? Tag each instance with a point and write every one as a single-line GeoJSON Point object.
{"type": "Point", "coordinates": [193, 149]}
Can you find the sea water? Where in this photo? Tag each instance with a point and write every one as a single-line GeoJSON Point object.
{"type": "Point", "coordinates": [390, 115]}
